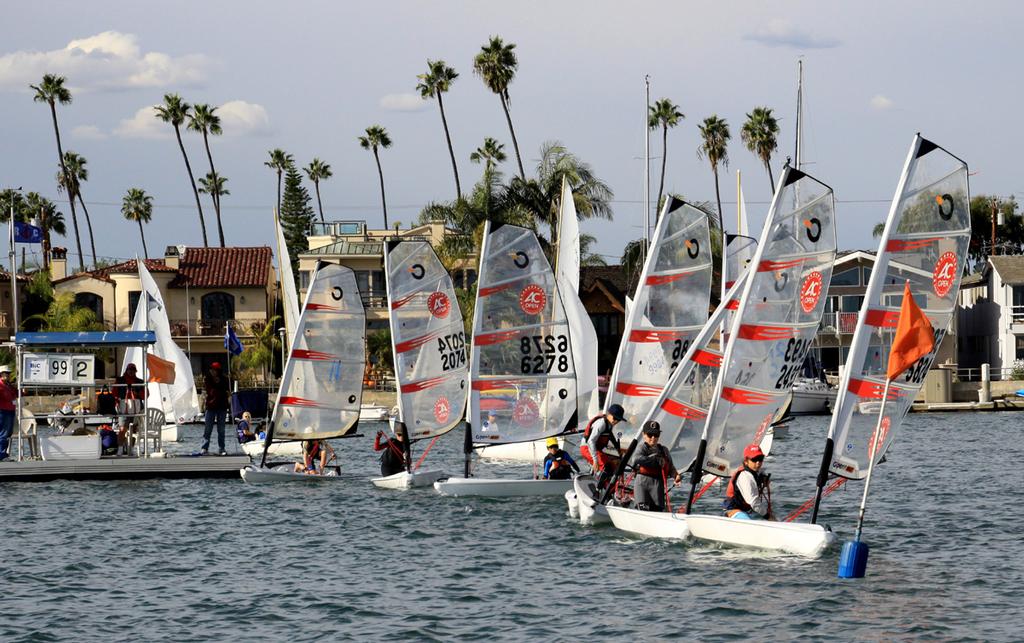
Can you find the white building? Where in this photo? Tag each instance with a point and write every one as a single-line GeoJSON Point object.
{"type": "Point", "coordinates": [991, 315]}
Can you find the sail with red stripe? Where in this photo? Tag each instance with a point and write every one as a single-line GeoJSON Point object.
{"type": "Point", "coordinates": [522, 345]}
{"type": "Point", "coordinates": [777, 319]}
{"type": "Point", "coordinates": [428, 339]}
{"type": "Point", "coordinates": [669, 308]}
{"type": "Point", "coordinates": [925, 242]}
{"type": "Point", "coordinates": [322, 383]}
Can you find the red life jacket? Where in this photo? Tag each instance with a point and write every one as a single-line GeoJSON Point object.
{"type": "Point", "coordinates": [604, 438]}
{"type": "Point", "coordinates": [735, 500]}
{"type": "Point", "coordinates": [312, 453]}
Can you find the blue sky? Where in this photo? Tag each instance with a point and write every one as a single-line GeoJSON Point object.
{"type": "Point", "coordinates": [310, 76]}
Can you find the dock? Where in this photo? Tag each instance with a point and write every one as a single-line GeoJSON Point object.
{"type": "Point", "coordinates": [124, 468]}
{"type": "Point", "coordinates": [1005, 404]}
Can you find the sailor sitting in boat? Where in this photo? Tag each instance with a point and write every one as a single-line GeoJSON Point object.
{"type": "Point", "coordinates": [313, 450]}
{"type": "Point", "coordinates": [558, 465]}
{"type": "Point", "coordinates": [243, 428]}
{"type": "Point", "coordinates": [749, 495]}
{"type": "Point", "coordinates": [654, 467]}
{"type": "Point", "coordinates": [392, 461]}
{"type": "Point", "coordinates": [599, 435]}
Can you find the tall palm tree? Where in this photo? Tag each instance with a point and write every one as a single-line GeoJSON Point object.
{"type": "Point", "coordinates": [760, 134]}
{"type": "Point", "coordinates": [137, 206]}
{"type": "Point", "coordinates": [52, 91]}
{"type": "Point", "coordinates": [490, 153]}
{"type": "Point", "coordinates": [714, 132]}
{"type": "Point", "coordinates": [204, 119]}
{"type": "Point", "coordinates": [318, 171]}
{"type": "Point", "coordinates": [436, 81]}
{"type": "Point", "coordinates": [214, 185]}
{"type": "Point", "coordinates": [279, 161]}
{"type": "Point", "coordinates": [50, 220]}
{"type": "Point", "coordinates": [664, 114]}
{"type": "Point", "coordinates": [496, 65]}
{"type": "Point", "coordinates": [175, 111]}
{"type": "Point", "coordinates": [78, 173]}
{"type": "Point", "coordinates": [377, 137]}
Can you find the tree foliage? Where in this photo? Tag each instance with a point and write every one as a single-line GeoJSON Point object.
{"type": "Point", "coordinates": [296, 215]}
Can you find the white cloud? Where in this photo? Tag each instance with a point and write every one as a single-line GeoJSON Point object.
{"type": "Point", "coordinates": [880, 102]}
{"type": "Point", "coordinates": [238, 118]}
{"type": "Point", "coordinates": [107, 61]}
{"type": "Point", "coordinates": [779, 32]}
{"type": "Point", "coordinates": [88, 133]}
{"type": "Point", "coordinates": [403, 102]}
{"type": "Point", "coordinates": [144, 124]}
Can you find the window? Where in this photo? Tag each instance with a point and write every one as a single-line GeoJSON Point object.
{"type": "Point", "coordinates": [470, 278]}
{"type": "Point", "coordinates": [92, 301]}
{"type": "Point", "coordinates": [378, 286]}
{"type": "Point", "coordinates": [133, 304]}
{"type": "Point", "coordinates": [218, 307]}
{"type": "Point", "coordinates": [363, 282]}
{"type": "Point", "coordinates": [852, 303]}
{"type": "Point", "coordinates": [849, 277]}
{"type": "Point", "coordinates": [867, 274]}
{"type": "Point", "coordinates": [303, 279]}
{"type": "Point", "coordinates": [1020, 348]}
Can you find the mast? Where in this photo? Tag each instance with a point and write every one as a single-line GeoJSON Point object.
{"type": "Point", "coordinates": [647, 167]}
{"type": "Point", "coordinates": [799, 113]}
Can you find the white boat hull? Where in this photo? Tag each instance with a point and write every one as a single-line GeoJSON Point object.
{"type": "Point", "coordinates": [591, 512]}
{"type": "Point", "coordinates": [170, 433]}
{"type": "Point", "coordinates": [496, 487]}
{"type": "Point", "coordinates": [653, 524]}
{"type": "Point", "coordinates": [373, 413]}
{"type": "Point", "coordinates": [801, 539]}
{"type": "Point", "coordinates": [255, 448]}
{"type": "Point", "coordinates": [574, 505]}
{"type": "Point", "coordinates": [406, 480]}
{"type": "Point", "coordinates": [522, 451]}
{"type": "Point", "coordinates": [816, 400]}
{"type": "Point", "coordinates": [284, 473]}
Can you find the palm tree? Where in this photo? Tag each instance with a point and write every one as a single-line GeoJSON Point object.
{"type": "Point", "coordinates": [50, 220]}
{"type": "Point", "coordinates": [378, 350]}
{"type": "Point", "coordinates": [52, 91]}
{"type": "Point", "coordinates": [77, 172]}
{"type": "Point", "coordinates": [715, 147]}
{"type": "Point", "coordinates": [264, 350]}
{"type": "Point", "coordinates": [664, 114]}
{"type": "Point", "coordinates": [878, 230]}
{"type": "Point", "coordinates": [496, 65]}
{"type": "Point", "coordinates": [633, 260]}
{"type": "Point", "coordinates": [434, 83]}
{"type": "Point", "coordinates": [588, 258]}
{"type": "Point", "coordinates": [214, 185]}
{"type": "Point", "coordinates": [279, 161]}
{"type": "Point", "coordinates": [760, 134]}
{"type": "Point", "coordinates": [175, 111]}
{"type": "Point", "coordinates": [491, 153]}
{"type": "Point", "coordinates": [137, 206]}
{"type": "Point", "coordinates": [204, 119]}
{"type": "Point", "coordinates": [376, 137]}
{"type": "Point", "coordinates": [318, 171]}
{"type": "Point", "coordinates": [64, 315]}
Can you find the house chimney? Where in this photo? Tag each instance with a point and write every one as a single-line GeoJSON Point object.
{"type": "Point", "coordinates": [172, 257]}
{"type": "Point", "coordinates": [58, 263]}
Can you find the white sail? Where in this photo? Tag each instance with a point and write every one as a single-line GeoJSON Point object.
{"type": "Point", "coordinates": [777, 319]}
{"type": "Point", "coordinates": [669, 308]}
{"type": "Point", "coordinates": [925, 242]}
{"type": "Point", "coordinates": [584, 337]}
{"type": "Point", "coordinates": [179, 401]}
{"type": "Point", "coordinates": [322, 383]}
{"type": "Point", "coordinates": [521, 369]}
{"type": "Point", "coordinates": [289, 298]}
{"type": "Point", "coordinates": [428, 339]}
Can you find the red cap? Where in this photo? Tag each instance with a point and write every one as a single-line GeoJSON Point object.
{"type": "Point", "coordinates": [752, 451]}
{"type": "Point", "coordinates": [215, 365]}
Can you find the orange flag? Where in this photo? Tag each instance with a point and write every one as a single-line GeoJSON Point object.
{"type": "Point", "coordinates": [160, 370]}
{"type": "Point", "coordinates": [914, 336]}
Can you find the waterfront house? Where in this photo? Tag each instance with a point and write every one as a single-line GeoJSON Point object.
{"type": "Point", "coordinates": [991, 315]}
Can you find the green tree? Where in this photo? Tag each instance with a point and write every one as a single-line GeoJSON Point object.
{"type": "Point", "coordinates": [664, 114]}
{"type": "Point", "coordinates": [77, 173]}
{"type": "Point", "coordinates": [633, 260]}
{"type": "Point", "coordinates": [263, 351]}
{"type": "Point", "coordinates": [714, 132]}
{"type": "Point", "coordinates": [280, 161]}
{"type": "Point", "coordinates": [434, 83]}
{"type": "Point", "coordinates": [496, 65]}
{"type": "Point", "coordinates": [50, 220]}
{"type": "Point", "coordinates": [878, 230]}
{"type": "Point", "coordinates": [588, 258]}
{"type": "Point", "coordinates": [378, 350]}
{"type": "Point", "coordinates": [52, 91]}
{"type": "Point", "coordinates": [214, 185]}
{"type": "Point", "coordinates": [64, 316]}
{"type": "Point", "coordinates": [761, 136]}
{"type": "Point", "coordinates": [377, 137]}
{"type": "Point", "coordinates": [490, 154]}
{"type": "Point", "coordinates": [204, 119]}
{"type": "Point", "coordinates": [175, 111]}
{"type": "Point", "coordinates": [137, 206]}
{"type": "Point", "coordinates": [318, 171]}
{"type": "Point", "coordinates": [296, 215]}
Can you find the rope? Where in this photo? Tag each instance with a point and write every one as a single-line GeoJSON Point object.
{"type": "Point", "coordinates": [425, 452]}
{"type": "Point", "coordinates": [838, 482]}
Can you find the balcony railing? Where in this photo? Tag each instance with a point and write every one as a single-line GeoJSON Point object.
{"type": "Point", "coordinates": [1017, 314]}
{"type": "Point", "coordinates": [838, 323]}
{"type": "Point", "coordinates": [375, 300]}
{"type": "Point", "coordinates": [210, 328]}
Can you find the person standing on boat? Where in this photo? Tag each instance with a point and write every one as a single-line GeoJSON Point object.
{"type": "Point", "coordinates": [748, 496]}
{"type": "Point", "coordinates": [654, 466]}
{"type": "Point", "coordinates": [558, 464]}
{"type": "Point", "coordinates": [217, 401]}
{"type": "Point", "coordinates": [392, 461]}
{"type": "Point", "coordinates": [597, 436]}
{"type": "Point", "coordinates": [131, 395]}
{"type": "Point", "coordinates": [8, 398]}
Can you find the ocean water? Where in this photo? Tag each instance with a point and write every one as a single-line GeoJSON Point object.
{"type": "Point", "coordinates": [200, 560]}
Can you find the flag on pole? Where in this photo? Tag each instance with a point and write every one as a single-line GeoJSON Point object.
{"type": "Point", "coordinates": [27, 233]}
{"type": "Point", "coordinates": [160, 370]}
{"type": "Point", "coordinates": [914, 339]}
{"type": "Point", "coordinates": [231, 342]}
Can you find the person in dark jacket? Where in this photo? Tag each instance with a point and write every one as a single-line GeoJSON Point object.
{"type": "Point", "coordinates": [558, 464]}
{"type": "Point", "coordinates": [8, 402]}
{"type": "Point", "coordinates": [217, 402]}
{"type": "Point", "coordinates": [392, 461]}
{"type": "Point", "coordinates": [653, 465]}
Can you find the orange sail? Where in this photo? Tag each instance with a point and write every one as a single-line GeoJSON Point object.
{"type": "Point", "coordinates": [914, 339]}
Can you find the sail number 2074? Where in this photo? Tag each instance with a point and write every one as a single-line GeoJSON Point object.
{"type": "Point", "coordinates": [544, 353]}
{"type": "Point", "coordinates": [453, 351]}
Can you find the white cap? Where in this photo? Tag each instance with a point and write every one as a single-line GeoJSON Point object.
{"type": "Point", "coordinates": [5, 369]}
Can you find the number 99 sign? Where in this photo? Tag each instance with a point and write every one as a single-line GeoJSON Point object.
{"type": "Point", "coordinates": [59, 368]}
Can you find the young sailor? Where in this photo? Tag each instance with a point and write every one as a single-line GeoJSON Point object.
{"type": "Point", "coordinates": [598, 435]}
{"type": "Point", "coordinates": [654, 466]}
{"type": "Point", "coordinates": [748, 496]}
{"type": "Point", "coordinates": [392, 461]}
{"type": "Point", "coordinates": [558, 465]}
{"type": "Point", "coordinates": [313, 450]}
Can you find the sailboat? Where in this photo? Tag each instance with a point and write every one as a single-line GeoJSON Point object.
{"type": "Point", "coordinates": [522, 374]}
{"type": "Point", "coordinates": [322, 383]}
{"type": "Point", "coordinates": [429, 344]}
{"type": "Point", "coordinates": [925, 242]}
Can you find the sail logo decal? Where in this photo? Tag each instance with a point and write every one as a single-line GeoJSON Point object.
{"type": "Point", "coordinates": [422, 385]}
{"type": "Point", "coordinates": [813, 226]}
{"type": "Point", "coordinates": [740, 396]}
{"type": "Point", "coordinates": [764, 333]}
{"type": "Point", "coordinates": [871, 390]}
{"type": "Point", "coordinates": [655, 336]}
{"type": "Point", "coordinates": [882, 318]}
{"type": "Point", "coordinates": [769, 265]}
{"type": "Point", "coordinates": [940, 202]}
{"type": "Point", "coordinates": [337, 293]}
{"type": "Point", "coordinates": [707, 358]}
{"type": "Point", "coordinates": [520, 259]}
{"type": "Point", "coordinates": [906, 245]}
{"type": "Point", "coordinates": [661, 280]}
{"type": "Point", "coordinates": [944, 274]}
{"type": "Point", "coordinates": [417, 271]}
{"type": "Point", "coordinates": [810, 291]}
{"type": "Point", "coordinates": [525, 412]}
{"type": "Point", "coordinates": [442, 409]}
{"type": "Point", "coordinates": [881, 433]}
{"type": "Point", "coordinates": [299, 353]}
{"type": "Point", "coordinates": [439, 305]}
{"type": "Point", "coordinates": [683, 410]}
{"type": "Point", "coordinates": [416, 342]}
{"type": "Point", "coordinates": [532, 299]}
{"type": "Point", "coordinates": [693, 248]}
{"type": "Point", "coordinates": [637, 390]}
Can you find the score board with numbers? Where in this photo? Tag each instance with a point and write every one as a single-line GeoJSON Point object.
{"type": "Point", "coordinates": [59, 369]}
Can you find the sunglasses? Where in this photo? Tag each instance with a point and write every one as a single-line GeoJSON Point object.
{"type": "Point", "coordinates": [759, 458]}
